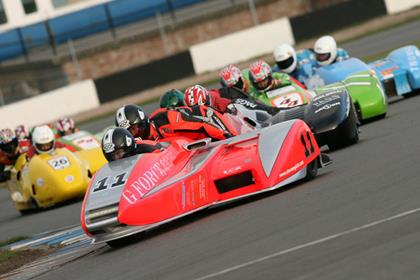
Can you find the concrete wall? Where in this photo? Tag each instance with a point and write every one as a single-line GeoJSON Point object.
{"type": "Point", "coordinates": [49, 106]}
{"type": "Point", "coordinates": [241, 46]}
{"type": "Point", "coordinates": [396, 6]}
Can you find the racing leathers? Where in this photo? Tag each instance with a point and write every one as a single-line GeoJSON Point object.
{"type": "Point", "coordinates": [223, 98]}
{"type": "Point", "coordinates": [195, 122]}
{"type": "Point", "coordinates": [6, 159]}
{"type": "Point", "coordinates": [147, 146]}
{"type": "Point", "coordinates": [278, 80]}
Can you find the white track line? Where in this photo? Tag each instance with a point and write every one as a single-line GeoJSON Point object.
{"type": "Point", "coordinates": [26, 244]}
{"type": "Point", "coordinates": [305, 245]}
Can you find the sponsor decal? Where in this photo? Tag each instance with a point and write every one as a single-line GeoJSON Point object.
{"type": "Point", "coordinates": [40, 182]}
{"type": "Point", "coordinates": [197, 191]}
{"type": "Point", "coordinates": [183, 195]}
{"type": "Point", "coordinates": [86, 143]}
{"type": "Point", "coordinates": [412, 55]}
{"type": "Point", "coordinates": [74, 136]}
{"type": "Point", "coordinates": [291, 169]}
{"type": "Point", "coordinates": [332, 91]}
{"type": "Point", "coordinates": [246, 103]}
{"type": "Point", "coordinates": [280, 91]}
{"type": "Point", "coordinates": [327, 107]}
{"type": "Point", "coordinates": [326, 99]}
{"type": "Point", "coordinates": [289, 100]}
{"type": "Point", "coordinates": [69, 178]}
{"type": "Point", "coordinates": [149, 179]}
{"type": "Point", "coordinates": [388, 73]}
{"type": "Point", "coordinates": [202, 187]}
{"type": "Point", "coordinates": [232, 170]}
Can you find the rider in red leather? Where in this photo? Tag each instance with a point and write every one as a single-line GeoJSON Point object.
{"type": "Point", "coordinates": [9, 152]}
{"type": "Point", "coordinates": [195, 122]}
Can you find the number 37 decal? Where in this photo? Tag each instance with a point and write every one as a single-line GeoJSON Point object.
{"type": "Point", "coordinates": [110, 182]}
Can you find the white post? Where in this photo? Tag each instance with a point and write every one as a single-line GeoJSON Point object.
{"type": "Point", "coordinates": [2, 102]}
{"type": "Point", "coordinates": [163, 33]}
{"type": "Point", "coordinates": [253, 10]}
{"type": "Point", "coordinates": [74, 60]}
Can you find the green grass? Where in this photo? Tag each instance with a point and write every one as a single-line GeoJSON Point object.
{"type": "Point", "coordinates": [7, 254]}
{"type": "Point", "coordinates": [12, 240]}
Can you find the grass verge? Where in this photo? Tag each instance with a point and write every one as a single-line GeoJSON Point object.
{"type": "Point", "coordinates": [12, 259]}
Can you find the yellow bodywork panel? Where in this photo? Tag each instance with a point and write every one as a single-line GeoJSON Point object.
{"type": "Point", "coordinates": [48, 179]}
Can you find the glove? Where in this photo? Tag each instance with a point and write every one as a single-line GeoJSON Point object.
{"type": "Point", "coordinates": [231, 109]}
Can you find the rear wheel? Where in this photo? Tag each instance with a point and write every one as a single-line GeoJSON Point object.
{"type": "Point", "coordinates": [33, 207]}
{"type": "Point", "coordinates": [358, 112]}
{"type": "Point", "coordinates": [347, 133]}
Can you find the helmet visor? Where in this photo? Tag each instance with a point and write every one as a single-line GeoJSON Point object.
{"type": "Point", "coordinates": [323, 56]}
{"type": "Point", "coordinates": [45, 147]}
{"type": "Point", "coordinates": [284, 64]}
{"type": "Point", "coordinates": [239, 84]}
{"type": "Point", "coordinates": [263, 84]}
{"type": "Point", "coordinates": [117, 154]}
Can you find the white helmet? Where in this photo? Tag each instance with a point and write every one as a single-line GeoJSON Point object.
{"type": "Point", "coordinates": [285, 56]}
{"type": "Point", "coordinates": [325, 50]}
{"type": "Point", "coordinates": [43, 139]}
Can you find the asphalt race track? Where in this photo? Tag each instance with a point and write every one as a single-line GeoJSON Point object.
{"type": "Point", "coordinates": [342, 225]}
{"type": "Point", "coordinates": [360, 219]}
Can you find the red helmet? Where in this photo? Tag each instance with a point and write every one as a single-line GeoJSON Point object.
{"type": "Point", "coordinates": [259, 72]}
{"type": "Point", "coordinates": [196, 95]}
{"type": "Point", "coordinates": [21, 132]}
{"type": "Point", "coordinates": [231, 76]}
{"type": "Point", "coordinates": [65, 126]}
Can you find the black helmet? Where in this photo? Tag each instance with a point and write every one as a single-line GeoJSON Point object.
{"type": "Point", "coordinates": [118, 143]}
{"type": "Point", "coordinates": [172, 98]}
{"type": "Point", "coordinates": [134, 119]}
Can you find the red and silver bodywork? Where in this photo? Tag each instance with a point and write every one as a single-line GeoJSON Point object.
{"type": "Point", "coordinates": [143, 191]}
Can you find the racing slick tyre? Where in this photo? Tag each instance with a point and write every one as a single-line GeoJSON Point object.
{"type": "Point", "coordinates": [33, 207]}
{"type": "Point", "coordinates": [122, 242]}
{"type": "Point", "coordinates": [311, 170]}
{"type": "Point", "coordinates": [346, 134]}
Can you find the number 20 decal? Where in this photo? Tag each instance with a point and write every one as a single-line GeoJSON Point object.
{"type": "Point", "coordinates": [116, 181]}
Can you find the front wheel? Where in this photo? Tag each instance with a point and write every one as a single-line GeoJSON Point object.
{"type": "Point", "coordinates": [311, 170]}
{"type": "Point", "coordinates": [122, 242]}
{"type": "Point", "coordinates": [345, 135]}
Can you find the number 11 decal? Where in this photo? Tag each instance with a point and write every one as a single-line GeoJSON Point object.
{"type": "Point", "coordinates": [308, 150]}
{"type": "Point", "coordinates": [117, 180]}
